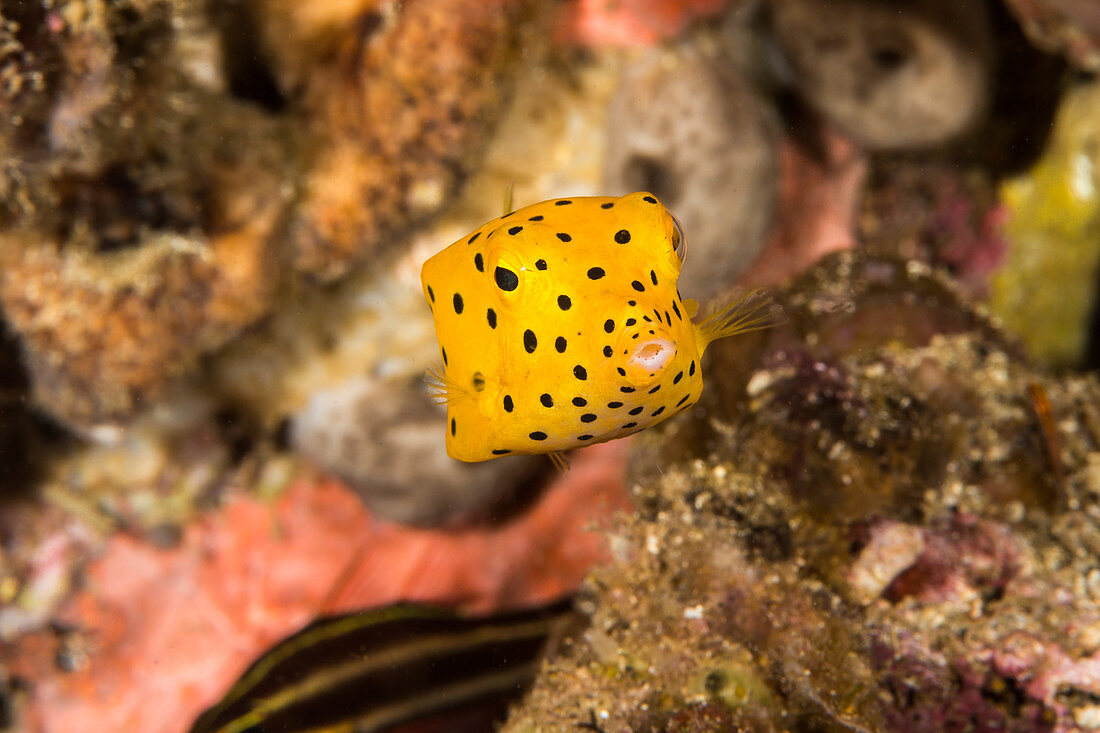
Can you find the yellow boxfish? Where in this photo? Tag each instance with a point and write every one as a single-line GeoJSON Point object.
{"type": "Point", "coordinates": [560, 325]}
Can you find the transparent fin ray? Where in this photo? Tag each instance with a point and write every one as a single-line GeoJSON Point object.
{"type": "Point", "coordinates": [442, 390]}
{"type": "Point", "coordinates": [560, 460]}
{"type": "Point", "coordinates": [744, 312]}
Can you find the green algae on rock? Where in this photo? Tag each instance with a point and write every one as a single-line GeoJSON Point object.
{"type": "Point", "coordinates": [1046, 289]}
{"type": "Point", "coordinates": [862, 527]}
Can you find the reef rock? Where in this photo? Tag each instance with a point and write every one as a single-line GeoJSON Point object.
{"type": "Point", "coordinates": [708, 150]}
{"type": "Point", "coordinates": [171, 169]}
{"type": "Point", "coordinates": [900, 75]}
{"type": "Point", "coordinates": [878, 518]}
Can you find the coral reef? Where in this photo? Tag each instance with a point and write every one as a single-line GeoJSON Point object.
{"type": "Point", "coordinates": [708, 151]}
{"type": "Point", "coordinates": [163, 188]}
{"type": "Point", "coordinates": [387, 439]}
{"type": "Point", "coordinates": [879, 517]}
{"type": "Point", "coordinates": [1069, 26]}
{"type": "Point", "coordinates": [1053, 224]}
{"type": "Point", "coordinates": [187, 618]}
{"type": "Point", "coordinates": [630, 22]}
{"type": "Point", "coordinates": [865, 527]}
{"type": "Point", "coordinates": [903, 75]}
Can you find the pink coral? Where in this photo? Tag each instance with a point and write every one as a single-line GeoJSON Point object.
{"type": "Point", "coordinates": [181, 624]}
{"type": "Point", "coordinates": [629, 22]}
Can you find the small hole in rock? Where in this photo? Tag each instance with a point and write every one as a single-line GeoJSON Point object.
{"type": "Point", "coordinates": [643, 173]}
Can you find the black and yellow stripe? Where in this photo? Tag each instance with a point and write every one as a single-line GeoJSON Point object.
{"type": "Point", "coordinates": [379, 669]}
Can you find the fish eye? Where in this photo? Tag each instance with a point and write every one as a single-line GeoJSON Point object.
{"type": "Point", "coordinates": [679, 241]}
{"type": "Point", "coordinates": [506, 279]}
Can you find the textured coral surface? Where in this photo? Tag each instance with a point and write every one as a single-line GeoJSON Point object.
{"type": "Point", "coordinates": [181, 623]}
{"type": "Point", "coordinates": [170, 171]}
{"type": "Point", "coordinates": [863, 525]}
{"type": "Point", "coordinates": [871, 524]}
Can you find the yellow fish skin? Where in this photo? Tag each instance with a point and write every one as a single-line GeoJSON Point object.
{"type": "Point", "coordinates": [560, 326]}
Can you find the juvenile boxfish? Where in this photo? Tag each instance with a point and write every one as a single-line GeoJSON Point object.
{"type": "Point", "coordinates": [560, 325]}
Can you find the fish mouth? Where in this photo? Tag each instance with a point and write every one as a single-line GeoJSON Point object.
{"type": "Point", "coordinates": [649, 358]}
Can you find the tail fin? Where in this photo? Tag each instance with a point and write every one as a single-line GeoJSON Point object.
{"type": "Point", "coordinates": [442, 390]}
{"type": "Point", "coordinates": [743, 312]}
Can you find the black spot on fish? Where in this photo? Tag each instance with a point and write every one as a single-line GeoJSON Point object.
{"type": "Point", "coordinates": [632, 303]}
{"type": "Point", "coordinates": [654, 389]}
{"type": "Point", "coordinates": [588, 417]}
{"type": "Point", "coordinates": [540, 264]}
{"type": "Point", "coordinates": [508, 404]}
{"type": "Point", "coordinates": [431, 294]}
{"type": "Point", "coordinates": [536, 217]}
{"type": "Point", "coordinates": [691, 369]}
{"type": "Point", "coordinates": [506, 279]}
{"type": "Point", "coordinates": [515, 230]}
{"type": "Point", "coordinates": [613, 405]}
{"type": "Point", "coordinates": [676, 311]}
{"type": "Point", "coordinates": [479, 262]}
{"type": "Point", "coordinates": [580, 373]}
{"type": "Point", "coordinates": [636, 410]}
{"type": "Point", "coordinates": [453, 426]}
{"type": "Point", "coordinates": [668, 318]}
{"type": "Point", "coordinates": [563, 202]}
{"type": "Point", "coordinates": [627, 390]}
{"type": "Point", "coordinates": [647, 319]}
{"type": "Point", "coordinates": [537, 435]}
{"type": "Point", "coordinates": [580, 401]}
{"type": "Point", "coordinates": [658, 411]}
{"type": "Point", "coordinates": [564, 237]}
{"type": "Point", "coordinates": [622, 236]}
{"type": "Point", "coordinates": [491, 316]}
{"type": "Point", "coordinates": [560, 344]}
{"type": "Point", "coordinates": [678, 377]}
{"type": "Point", "coordinates": [622, 372]}
{"type": "Point", "coordinates": [608, 325]}
{"type": "Point", "coordinates": [458, 303]}
{"type": "Point", "coordinates": [607, 351]}
{"type": "Point", "coordinates": [596, 273]}
{"type": "Point", "coordinates": [444, 352]}
{"type": "Point", "coordinates": [471, 239]}
{"type": "Point", "coordinates": [631, 321]}
{"type": "Point", "coordinates": [529, 341]}
{"type": "Point", "coordinates": [630, 425]}
{"type": "Point", "coordinates": [683, 399]}
{"type": "Point", "coordinates": [607, 205]}
{"type": "Point", "coordinates": [649, 199]}
{"type": "Point", "coordinates": [501, 451]}
{"type": "Point", "coordinates": [546, 400]}
{"type": "Point", "coordinates": [637, 286]}
{"type": "Point", "coordinates": [586, 436]}
{"type": "Point", "coordinates": [564, 303]}
{"type": "Point", "coordinates": [653, 277]}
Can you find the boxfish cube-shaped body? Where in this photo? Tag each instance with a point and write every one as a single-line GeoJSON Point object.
{"type": "Point", "coordinates": [560, 325]}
